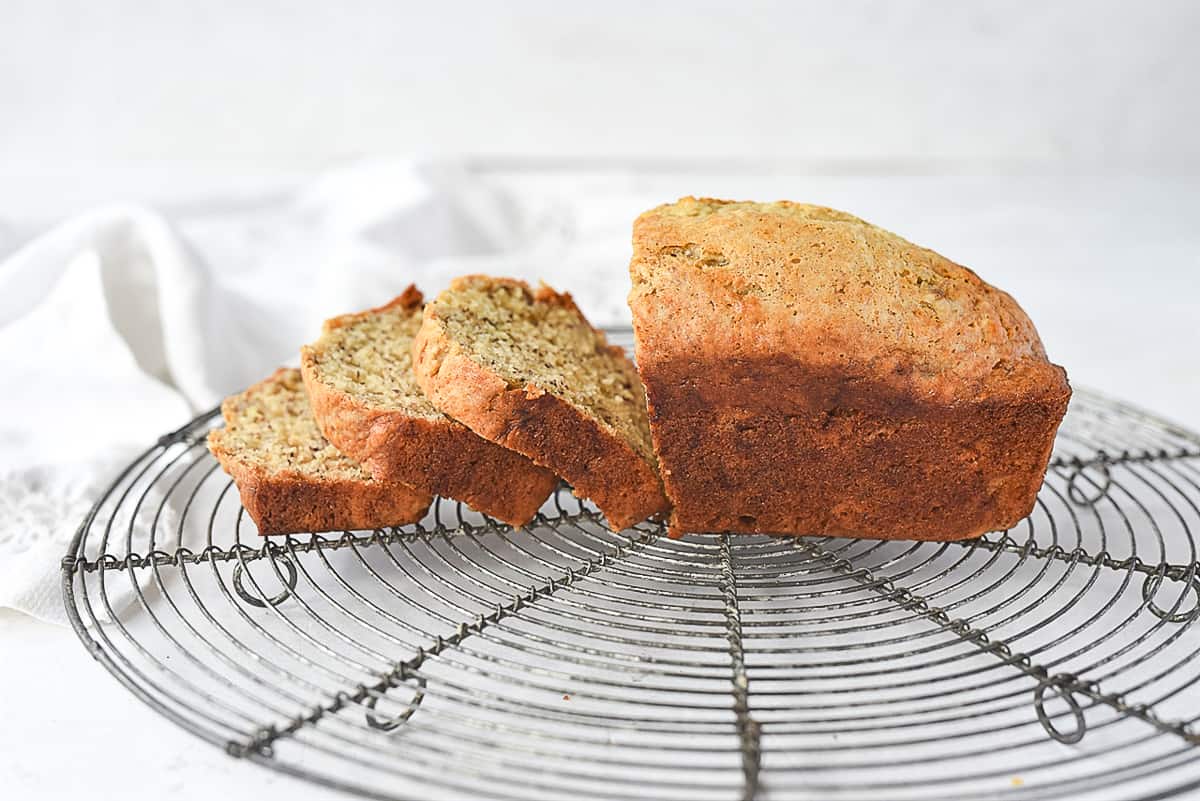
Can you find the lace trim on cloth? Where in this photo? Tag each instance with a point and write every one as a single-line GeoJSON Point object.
{"type": "Point", "coordinates": [42, 508]}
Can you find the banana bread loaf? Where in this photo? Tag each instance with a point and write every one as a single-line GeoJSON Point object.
{"type": "Point", "coordinates": [810, 373]}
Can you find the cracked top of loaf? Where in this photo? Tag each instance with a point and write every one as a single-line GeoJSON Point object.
{"type": "Point", "coordinates": [716, 279]}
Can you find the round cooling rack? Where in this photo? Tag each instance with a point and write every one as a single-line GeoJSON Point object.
{"type": "Point", "coordinates": [462, 658]}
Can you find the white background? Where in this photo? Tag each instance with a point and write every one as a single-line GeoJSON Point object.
{"type": "Point", "coordinates": [1054, 147]}
{"type": "Point", "coordinates": [891, 84]}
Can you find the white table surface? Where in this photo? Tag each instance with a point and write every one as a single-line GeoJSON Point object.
{"type": "Point", "coordinates": [1109, 269]}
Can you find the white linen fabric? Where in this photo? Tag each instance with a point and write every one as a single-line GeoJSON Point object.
{"type": "Point", "coordinates": [118, 326]}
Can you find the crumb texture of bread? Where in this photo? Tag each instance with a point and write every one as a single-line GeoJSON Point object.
{"type": "Point", "coordinates": [523, 368]}
{"type": "Point", "coordinates": [369, 355]}
{"type": "Point", "coordinates": [290, 478]}
{"type": "Point", "coordinates": [810, 373]}
{"type": "Point", "coordinates": [367, 402]}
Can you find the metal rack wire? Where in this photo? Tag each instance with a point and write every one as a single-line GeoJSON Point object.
{"type": "Point", "coordinates": [460, 658]}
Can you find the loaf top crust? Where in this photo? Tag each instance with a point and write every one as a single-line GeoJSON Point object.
{"type": "Point", "coordinates": [270, 430]}
{"type": "Point", "coordinates": [717, 279]}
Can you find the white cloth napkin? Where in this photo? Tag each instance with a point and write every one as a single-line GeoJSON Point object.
{"type": "Point", "coordinates": [118, 326]}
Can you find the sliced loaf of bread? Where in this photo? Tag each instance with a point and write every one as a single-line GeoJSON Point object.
{"type": "Point", "coordinates": [811, 373]}
{"type": "Point", "coordinates": [290, 478]}
{"type": "Point", "coordinates": [524, 369]}
{"type": "Point", "coordinates": [367, 402]}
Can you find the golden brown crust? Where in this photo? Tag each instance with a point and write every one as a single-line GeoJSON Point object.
{"type": "Point", "coordinates": [432, 454]}
{"type": "Point", "coordinates": [290, 502]}
{"type": "Point", "coordinates": [810, 373]}
{"type": "Point", "coordinates": [538, 424]}
{"type": "Point", "coordinates": [282, 504]}
{"type": "Point", "coordinates": [542, 294]}
{"type": "Point", "coordinates": [411, 300]}
{"type": "Point", "coordinates": [750, 280]}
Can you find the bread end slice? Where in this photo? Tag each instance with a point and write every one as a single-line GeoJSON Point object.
{"type": "Point", "coordinates": [290, 478]}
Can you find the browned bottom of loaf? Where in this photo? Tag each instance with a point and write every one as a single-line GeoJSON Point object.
{"type": "Point", "coordinates": [775, 448]}
{"type": "Point", "coordinates": [280, 504]}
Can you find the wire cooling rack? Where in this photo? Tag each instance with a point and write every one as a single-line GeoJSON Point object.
{"type": "Point", "coordinates": [461, 658]}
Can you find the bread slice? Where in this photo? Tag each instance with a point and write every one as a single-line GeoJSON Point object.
{"type": "Point", "coordinates": [290, 478]}
{"type": "Point", "coordinates": [523, 368]}
{"type": "Point", "coordinates": [367, 402]}
{"type": "Point", "coordinates": [810, 373]}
